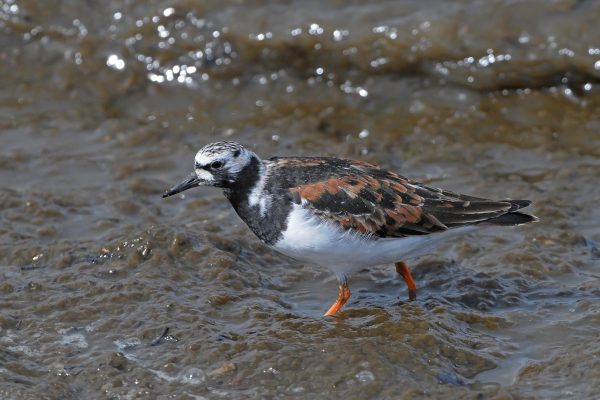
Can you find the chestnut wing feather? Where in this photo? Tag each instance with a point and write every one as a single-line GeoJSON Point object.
{"type": "Point", "coordinates": [363, 198]}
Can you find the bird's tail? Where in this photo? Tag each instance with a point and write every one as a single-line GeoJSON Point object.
{"type": "Point", "coordinates": [512, 217]}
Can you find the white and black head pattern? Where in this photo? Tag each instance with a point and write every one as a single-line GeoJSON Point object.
{"type": "Point", "coordinates": [219, 164]}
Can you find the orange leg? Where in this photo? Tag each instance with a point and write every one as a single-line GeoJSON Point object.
{"type": "Point", "coordinates": [343, 297]}
{"type": "Point", "coordinates": [403, 270]}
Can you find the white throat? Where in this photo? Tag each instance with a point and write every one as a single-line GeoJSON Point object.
{"type": "Point", "coordinates": [256, 196]}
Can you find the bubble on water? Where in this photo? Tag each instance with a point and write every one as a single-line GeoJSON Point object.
{"type": "Point", "coordinates": [80, 27]}
{"type": "Point", "coordinates": [569, 94]}
{"type": "Point", "coordinates": [271, 370]}
{"type": "Point", "coordinates": [487, 60]}
{"type": "Point", "coordinates": [115, 62]}
{"type": "Point", "coordinates": [9, 7]}
{"type": "Point", "coordinates": [597, 65]}
{"type": "Point", "coordinates": [340, 34]}
{"type": "Point", "coordinates": [193, 376]}
{"type": "Point", "coordinates": [442, 69]}
{"type": "Point", "coordinates": [315, 29]}
{"type": "Point", "coordinates": [524, 38]}
{"type": "Point", "coordinates": [156, 78]}
{"type": "Point", "coordinates": [379, 62]}
{"type": "Point", "coordinates": [365, 376]}
{"type": "Point", "coordinates": [363, 134]}
{"type": "Point", "coordinates": [594, 51]}
{"type": "Point", "coordinates": [566, 52]}
{"type": "Point", "coordinates": [163, 32]}
{"type": "Point", "coordinates": [167, 12]}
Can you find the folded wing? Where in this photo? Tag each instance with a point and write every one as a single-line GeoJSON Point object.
{"type": "Point", "coordinates": [363, 198]}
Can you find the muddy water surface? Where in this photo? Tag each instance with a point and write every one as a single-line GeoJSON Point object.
{"type": "Point", "coordinates": [109, 291]}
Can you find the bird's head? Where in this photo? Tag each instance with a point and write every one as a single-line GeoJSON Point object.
{"type": "Point", "coordinates": [217, 164]}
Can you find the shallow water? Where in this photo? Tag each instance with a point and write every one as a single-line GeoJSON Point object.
{"type": "Point", "coordinates": [103, 105]}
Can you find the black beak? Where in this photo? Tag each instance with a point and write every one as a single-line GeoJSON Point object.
{"type": "Point", "coordinates": [189, 182]}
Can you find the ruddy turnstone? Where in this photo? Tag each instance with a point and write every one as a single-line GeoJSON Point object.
{"type": "Point", "coordinates": [341, 214]}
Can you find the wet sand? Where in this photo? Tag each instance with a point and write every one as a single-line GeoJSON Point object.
{"type": "Point", "coordinates": [104, 104]}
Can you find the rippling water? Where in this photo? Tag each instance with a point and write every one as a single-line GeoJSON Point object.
{"type": "Point", "coordinates": [108, 291]}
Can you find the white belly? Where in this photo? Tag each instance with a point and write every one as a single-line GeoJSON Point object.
{"type": "Point", "coordinates": [307, 238]}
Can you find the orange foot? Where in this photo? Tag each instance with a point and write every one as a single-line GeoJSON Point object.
{"type": "Point", "coordinates": [403, 270]}
{"type": "Point", "coordinates": [343, 297]}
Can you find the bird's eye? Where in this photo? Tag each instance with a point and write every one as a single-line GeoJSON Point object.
{"type": "Point", "coordinates": [216, 164]}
